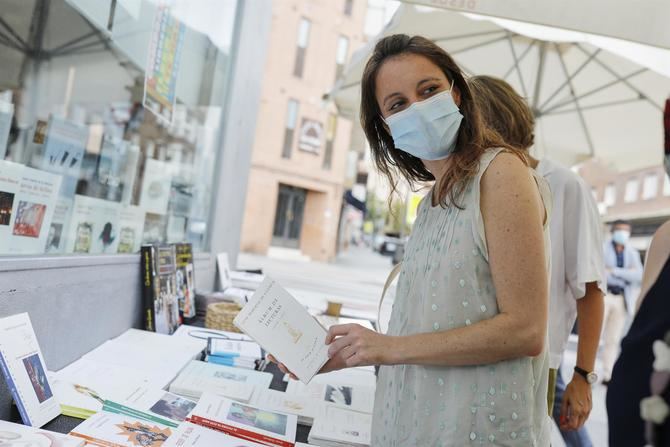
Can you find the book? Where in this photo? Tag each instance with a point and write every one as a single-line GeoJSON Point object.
{"type": "Point", "coordinates": [202, 335]}
{"type": "Point", "coordinates": [351, 396]}
{"type": "Point", "coordinates": [306, 408]}
{"type": "Point", "coordinates": [185, 278]}
{"type": "Point", "coordinates": [84, 386]}
{"type": "Point", "coordinates": [339, 427]}
{"type": "Point", "coordinates": [245, 421]}
{"type": "Point", "coordinates": [236, 353]}
{"type": "Point", "coordinates": [246, 280]}
{"type": "Point", "coordinates": [156, 185]}
{"type": "Point", "coordinates": [153, 405]}
{"type": "Point", "coordinates": [93, 226]}
{"type": "Point", "coordinates": [19, 435]}
{"type": "Point", "coordinates": [23, 367]}
{"type": "Point", "coordinates": [114, 430]}
{"type": "Point", "coordinates": [192, 435]}
{"type": "Point", "coordinates": [131, 224]}
{"type": "Point", "coordinates": [159, 291]}
{"type": "Point", "coordinates": [199, 377]}
{"type": "Point", "coordinates": [155, 355]}
{"type": "Point", "coordinates": [64, 150]}
{"type": "Point", "coordinates": [284, 328]}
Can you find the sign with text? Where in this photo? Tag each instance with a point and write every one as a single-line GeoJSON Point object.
{"type": "Point", "coordinates": [311, 136]}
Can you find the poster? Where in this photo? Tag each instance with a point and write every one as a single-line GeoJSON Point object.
{"type": "Point", "coordinates": [27, 202]}
{"type": "Point", "coordinates": [165, 46]}
{"type": "Point", "coordinates": [94, 226]}
{"type": "Point", "coordinates": [156, 186]}
{"type": "Point", "coordinates": [64, 148]}
{"type": "Point", "coordinates": [131, 226]}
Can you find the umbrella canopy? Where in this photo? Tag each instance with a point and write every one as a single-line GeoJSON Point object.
{"type": "Point", "coordinates": [590, 99]}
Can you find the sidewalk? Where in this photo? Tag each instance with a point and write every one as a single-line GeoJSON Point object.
{"type": "Point", "coordinates": [356, 279]}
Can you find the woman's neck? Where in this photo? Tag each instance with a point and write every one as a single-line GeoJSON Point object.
{"type": "Point", "coordinates": [438, 168]}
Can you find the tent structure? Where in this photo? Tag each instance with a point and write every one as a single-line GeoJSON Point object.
{"type": "Point", "coordinates": [593, 96]}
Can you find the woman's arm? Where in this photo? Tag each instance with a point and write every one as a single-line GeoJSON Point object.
{"type": "Point", "coordinates": [513, 216]}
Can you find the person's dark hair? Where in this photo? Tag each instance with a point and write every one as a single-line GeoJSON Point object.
{"type": "Point", "coordinates": [621, 222]}
{"type": "Point", "coordinates": [504, 110]}
{"type": "Point", "coordinates": [473, 138]}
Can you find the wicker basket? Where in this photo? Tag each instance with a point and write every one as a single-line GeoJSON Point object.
{"type": "Point", "coordinates": [221, 315]}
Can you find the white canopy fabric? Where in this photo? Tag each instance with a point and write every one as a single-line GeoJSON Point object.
{"type": "Point", "coordinates": [593, 96]}
{"type": "Point", "coordinates": [644, 22]}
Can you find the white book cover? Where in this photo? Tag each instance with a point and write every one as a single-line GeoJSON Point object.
{"type": "Point", "coordinates": [18, 435]}
{"type": "Point", "coordinates": [83, 386]}
{"type": "Point", "coordinates": [192, 435]}
{"type": "Point", "coordinates": [114, 430]}
{"type": "Point", "coordinates": [284, 328]}
{"type": "Point", "coordinates": [245, 421]}
{"type": "Point", "coordinates": [353, 397]}
{"type": "Point", "coordinates": [233, 348]}
{"type": "Point", "coordinates": [235, 383]}
{"type": "Point", "coordinates": [349, 376]}
{"type": "Point", "coordinates": [152, 404]}
{"type": "Point", "coordinates": [155, 194]}
{"type": "Point", "coordinates": [30, 196]}
{"type": "Point", "coordinates": [25, 373]}
{"type": "Point", "coordinates": [304, 407]}
{"type": "Point", "coordinates": [94, 226]}
{"type": "Point", "coordinates": [64, 149]}
{"type": "Point", "coordinates": [131, 225]}
{"type": "Point", "coordinates": [342, 427]}
{"type": "Point", "coordinates": [58, 231]}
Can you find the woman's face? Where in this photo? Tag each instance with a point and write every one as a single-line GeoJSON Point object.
{"type": "Point", "coordinates": [409, 78]}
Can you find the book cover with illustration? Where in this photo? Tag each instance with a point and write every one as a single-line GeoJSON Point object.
{"type": "Point", "coordinates": [245, 421]}
{"type": "Point", "coordinates": [114, 430]}
{"type": "Point", "coordinates": [24, 370]}
{"type": "Point", "coordinates": [191, 435]}
{"type": "Point", "coordinates": [159, 288]}
{"type": "Point", "coordinates": [153, 405]}
{"type": "Point", "coordinates": [185, 279]}
{"type": "Point", "coordinates": [94, 226]}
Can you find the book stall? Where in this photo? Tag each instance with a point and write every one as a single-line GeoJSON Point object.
{"type": "Point", "coordinates": [183, 382]}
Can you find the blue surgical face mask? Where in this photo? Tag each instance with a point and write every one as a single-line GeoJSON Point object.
{"type": "Point", "coordinates": [621, 237]}
{"type": "Point", "coordinates": [427, 129]}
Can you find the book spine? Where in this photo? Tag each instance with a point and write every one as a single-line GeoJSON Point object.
{"type": "Point", "coordinates": [239, 432]}
{"type": "Point", "coordinates": [14, 390]}
{"type": "Point", "coordinates": [148, 290]}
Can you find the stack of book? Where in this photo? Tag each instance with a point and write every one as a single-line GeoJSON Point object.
{"type": "Point", "coordinates": [199, 377]}
{"type": "Point", "coordinates": [245, 421]}
{"type": "Point", "coordinates": [236, 353]}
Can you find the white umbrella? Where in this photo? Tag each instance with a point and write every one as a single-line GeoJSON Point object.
{"type": "Point", "coordinates": [590, 99]}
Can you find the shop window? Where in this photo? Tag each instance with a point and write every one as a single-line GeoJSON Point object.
{"type": "Point", "coordinates": [610, 195]}
{"type": "Point", "coordinates": [289, 132]}
{"type": "Point", "coordinates": [650, 187]}
{"type": "Point", "coordinates": [301, 50]}
{"type": "Point", "coordinates": [632, 191]}
{"type": "Point", "coordinates": [110, 123]}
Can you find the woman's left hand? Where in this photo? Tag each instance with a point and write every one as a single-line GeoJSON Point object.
{"type": "Point", "coordinates": [359, 346]}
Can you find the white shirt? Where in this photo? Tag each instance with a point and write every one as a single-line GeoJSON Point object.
{"type": "Point", "coordinates": [576, 252]}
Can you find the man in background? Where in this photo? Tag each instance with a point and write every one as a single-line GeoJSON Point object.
{"type": "Point", "coordinates": [624, 274]}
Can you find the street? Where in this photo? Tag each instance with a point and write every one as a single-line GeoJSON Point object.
{"type": "Point", "coordinates": [356, 279]}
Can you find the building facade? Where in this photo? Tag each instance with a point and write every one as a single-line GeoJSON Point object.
{"type": "Point", "coordinates": [300, 153]}
{"type": "Point", "coordinates": [641, 196]}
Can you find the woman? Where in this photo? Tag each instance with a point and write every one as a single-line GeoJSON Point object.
{"type": "Point", "coordinates": [464, 360]}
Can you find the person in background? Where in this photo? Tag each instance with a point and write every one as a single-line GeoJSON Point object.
{"type": "Point", "coordinates": [577, 270]}
{"type": "Point", "coordinates": [624, 273]}
{"type": "Point", "coordinates": [636, 398]}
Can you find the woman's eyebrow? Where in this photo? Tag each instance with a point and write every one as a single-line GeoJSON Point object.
{"type": "Point", "coordinates": [392, 95]}
{"type": "Point", "coordinates": [423, 81]}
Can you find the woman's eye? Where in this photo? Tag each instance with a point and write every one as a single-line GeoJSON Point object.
{"type": "Point", "coordinates": [395, 106]}
{"type": "Point", "coordinates": [429, 90]}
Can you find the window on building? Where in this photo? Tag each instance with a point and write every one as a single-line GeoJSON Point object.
{"type": "Point", "coordinates": [303, 41]}
{"type": "Point", "coordinates": [97, 161]}
{"type": "Point", "coordinates": [291, 123]}
{"type": "Point", "coordinates": [632, 191]}
{"type": "Point", "coordinates": [650, 187]}
{"type": "Point", "coordinates": [610, 195]}
{"type": "Point", "coordinates": [330, 141]}
{"type": "Point", "coordinates": [341, 55]}
{"type": "Point", "coordinates": [348, 7]}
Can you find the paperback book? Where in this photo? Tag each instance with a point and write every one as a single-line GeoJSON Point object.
{"type": "Point", "coordinates": [284, 328]}
{"type": "Point", "coordinates": [235, 353]}
{"type": "Point", "coordinates": [114, 430]}
{"type": "Point", "coordinates": [159, 291]}
{"type": "Point", "coordinates": [153, 405]}
{"type": "Point", "coordinates": [200, 377]}
{"type": "Point", "coordinates": [192, 435]}
{"type": "Point", "coordinates": [245, 421]}
{"type": "Point", "coordinates": [353, 397]}
{"type": "Point", "coordinates": [304, 407]}
{"type": "Point", "coordinates": [18, 435]}
{"type": "Point", "coordinates": [23, 366]}
{"type": "Point", "coordinates": [341, 428]}
{"type": "Point", "coordinates": [185, 278]}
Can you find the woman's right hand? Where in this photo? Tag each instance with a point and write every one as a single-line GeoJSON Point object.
{"type": "Point", "coordinates": [333, 364]}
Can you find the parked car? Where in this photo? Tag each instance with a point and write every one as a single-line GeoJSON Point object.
{"type": "Point", "coordinates": [390, 244]}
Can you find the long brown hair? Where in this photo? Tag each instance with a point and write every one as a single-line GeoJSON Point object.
{"type": "Point", "coordinates": [504, 110]}
{"type": "Point", "coordinates": [473, 138]}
